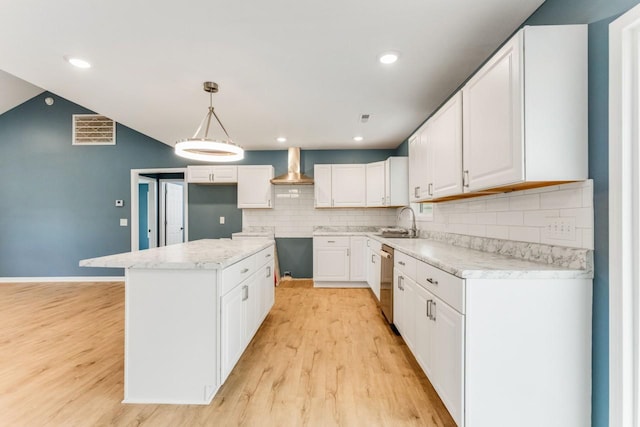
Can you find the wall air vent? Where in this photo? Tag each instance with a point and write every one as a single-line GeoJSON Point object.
{"type": "Point", "coordinates": [93, 129]}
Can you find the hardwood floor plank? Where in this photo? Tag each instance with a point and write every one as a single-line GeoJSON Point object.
{"type": "Point", "coordinates": [323, 357]}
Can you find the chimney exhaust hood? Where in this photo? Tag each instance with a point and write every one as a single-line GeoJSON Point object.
{"type": "Point", "coordinates": [293, 175]}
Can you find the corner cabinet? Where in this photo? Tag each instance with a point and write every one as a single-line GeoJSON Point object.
{"type": "Point", "coordinates": [254, 187]}
{"type": "Point", "coordinates": [387, 182]}
{"type": "Point", "coordinates": [489, 352]}
{"type": "Point", "coordinates": [339, 261]}
{"type": "Point", "coordinates": [525, 111]}
{"type": "Point", "coordinates": [340, 186]}
{"type": "Point", "coordinates": [212, 174]}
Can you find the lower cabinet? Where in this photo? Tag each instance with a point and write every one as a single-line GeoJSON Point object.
{"type": "Point", "coordinates": [242, 311]}
{"type": "Point", "coordinates": [493, 353]}
{"type": "Point", "coordinates": [372, 262]}
{"type": "Point", "coordinates": [339, 261]}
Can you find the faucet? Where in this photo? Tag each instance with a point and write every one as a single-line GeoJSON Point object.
{"type": "Point", "coordinates": [413, 232]}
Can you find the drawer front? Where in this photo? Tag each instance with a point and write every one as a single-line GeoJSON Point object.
{"type": "Point", "coordinates": [236, 273]}
{"type": "Point", "coordinates": [405, 263]}
{"type": "Point", "coordinates": [331, 241]}
{"type": "Point", "coordinates": [374, 245]}
{"type": "Point", "coordinates": [446, 286]}
{"type": "Point", "coordinates": [264, 256]}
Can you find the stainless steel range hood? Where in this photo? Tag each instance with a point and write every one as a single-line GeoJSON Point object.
{"type": "Point", "coordinates": [293, 175]}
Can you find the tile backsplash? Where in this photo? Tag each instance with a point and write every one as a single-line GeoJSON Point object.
{"type": "Point", "coordinates": [560, 215]}
{"type": "Point", "coordinates": [293, 214]}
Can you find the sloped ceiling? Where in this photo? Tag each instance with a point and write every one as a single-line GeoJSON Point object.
{"type": "Point", "coordinates": [15, 91]}
{"type": "Point", "coordinates": [301, 69]}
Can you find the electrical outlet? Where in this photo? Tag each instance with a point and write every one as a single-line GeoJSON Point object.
{"type": "Point", "coordinates": [119, 203]}
{"type": "Point", "coordinates": [221, 220]}
{"type": "Point", "coordinates": [561, 228]}
{"type": "Point", "coordinates": [123, 222]}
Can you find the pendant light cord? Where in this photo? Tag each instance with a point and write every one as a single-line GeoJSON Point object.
{"type": "Point", "coordinates": [207, 118]}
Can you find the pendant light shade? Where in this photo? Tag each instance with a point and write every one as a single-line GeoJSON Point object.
{"type": "Point", "coordinates": [202, 147]}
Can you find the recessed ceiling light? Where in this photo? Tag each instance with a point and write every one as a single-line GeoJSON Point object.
{"type": "Point", "coordinates": [281, 139]}
{"type": "Point", "coordinates": [357, 138]}
{"type": "Point", "coordinates": [388, 57]}
{"type": "Point", "coordinates": [77, 62]}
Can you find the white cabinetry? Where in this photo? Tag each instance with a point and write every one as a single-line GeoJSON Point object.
{"type": "Point", "coordinates": [254, 186]}
{"type": "Point", "coordinates": [340, 186]}
{"type": "Point", "coordinates": [373, 265]}
{"type": "Point", "coordinates": [419, 166]}
{"type": "Point", "coordinates": [339, 261]}
{"type": "Point", "coordinates": [525, 111]}
{"type": "Point", "coordinates": [212, 174]}
{"type": "Point", "coordinates": [246, 298]}
{"type": "Point", "coordinates": [489, 353]}
{"type": "Point", "coordinates": [387, 182]}
{"type": "Point", "coordinates": [444, 139]}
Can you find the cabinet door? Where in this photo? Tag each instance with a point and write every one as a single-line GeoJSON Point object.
{"type": "Point", "coordinates": [415, 165]}
{"type": "Point", "coordinates": [225, 174]}
{"type": "Point", "coordinates": [252, 306]}
{"type": "Point", "coordinates": [445, 130]}
{"type": "Point", "coordinates": [357, 261]}
{"type": "Point", "coordinates": [199, 174]}
{"type": "Point", "coordinates": [376, 195]}
{"type": "Point", "coordinates": [404, 291]}
{"type": "Point", "coordinates": [232, 337]}
{"type": "Point", "coordinates": [375, 283]}
{"type": "Point", "coordinates": [254, 186]}
{"type": "Point", "coordinates": [212, 174]}
{"type": "Point", "coordinates": [448, 357]}
{"type": "Point", "coordinates": [322, 185]}
{"type": "Point", "coordinates": [492, 121]}
{"type": "Point", "coordinates": [348, 185]}
{"type": "Point", "coordinates": [398, 301]}
{"type": "Point", "coordinates": [425, 339]}
{"type": "Point", "coordinates": [331, 264]}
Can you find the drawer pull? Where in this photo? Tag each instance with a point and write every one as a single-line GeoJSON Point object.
{"type": "Point", "coordinates": [267, 256]}
{"type": "Point", "coordinates": [331, 241]}
{"type": "Point", "coordinates": [245, 292]}
{"type": "Point", "coordinates": [401, 263]}
{"type": "Point", "coordinates": [244, 270]}
{"type": "Point", "coordinates": [432, 281]}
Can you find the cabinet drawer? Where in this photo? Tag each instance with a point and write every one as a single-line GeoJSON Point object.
{"type": "Point", "coordinates": [446, 286]}
{"type": "Point", "coordinates": [331, 241]}
{"type": "Point", "coordinates": [404, 262]}
{"type": "Point", "coordinates": [264, 256]}
{"type": "Point", "coordinates": [374, 245]}
{"type": "Point", "coordinates": [236, 273]}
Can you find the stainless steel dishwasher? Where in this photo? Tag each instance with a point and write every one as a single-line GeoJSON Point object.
{"type": "Point", "coordinates": [386, 282]}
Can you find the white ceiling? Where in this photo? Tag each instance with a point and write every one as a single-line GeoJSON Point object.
{"type": "Point", "coordinates": [302, 69]}
{"type": "Point", "coordinates": [15, 91]}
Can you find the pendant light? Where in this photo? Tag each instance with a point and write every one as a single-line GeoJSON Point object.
{"type": "Point", "coordinates": [206, 149]}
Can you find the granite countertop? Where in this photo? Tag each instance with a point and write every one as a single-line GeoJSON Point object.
{"type": "Point", "coordinates": [344, 230]}
{"type": "Point", "coordinates": [474, 264]}
{"type": "Point", "coordinates": [199, 254]}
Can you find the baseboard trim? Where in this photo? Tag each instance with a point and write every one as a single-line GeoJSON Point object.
{"type": "Point", "coordinates": [340, 284]}
{"type": "Point", "coordinates": [62, 279]}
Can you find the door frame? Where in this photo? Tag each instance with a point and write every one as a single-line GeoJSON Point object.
{"type": "Point", "coordinates": [152, 208]}
{"type": "Point", "coordinates": [135, 179]}
{"type": "Point", "coordinates": [624, 218]}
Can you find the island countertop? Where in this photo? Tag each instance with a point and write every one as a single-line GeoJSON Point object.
{"type": "Point", "coordinates": [199, 254]}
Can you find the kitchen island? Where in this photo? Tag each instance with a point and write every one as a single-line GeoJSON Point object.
{"type": "Point", "coordinates": [190, 311]}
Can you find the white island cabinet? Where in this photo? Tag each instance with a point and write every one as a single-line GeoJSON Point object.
{"type": "Point", "coordinates": [190, 311]}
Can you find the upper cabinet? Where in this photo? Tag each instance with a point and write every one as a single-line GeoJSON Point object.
{"type": "Point", "coordinates": [254, 186]}
{"type": "Point", "coordinates": [519, 122]}
{"type": "Point", "coordinates": [387, 182]}
{"type": "Point", "coordinates": [525, 111]}
{"type": "Point", "coordinates": [208, 174]}
{"type": "Point", "coordinates": [340, 186]}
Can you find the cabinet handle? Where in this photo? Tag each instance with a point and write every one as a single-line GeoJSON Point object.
{"type": "Point", "coordinates": [465, 178]}
{"type": "Point", "coordinates": [348, 252]}
{"type": "Point", "coordinates": [332, 202]}
{"type": "Point", "coordinates": [416, 190]}
{"type": "Point", "coordinates": [245, 291]}
{"type": "Point", "coordinates": [372, 260]}
{"type": "Point", "coordinates": [401, 263]}
{"type": "Point", "coordinates": [244, 270]}
{"type": "Point", "coordinates": [269, 202]}
{"type": "Point", "coordinates": [433, 311]}
{"type": "Point", "coordinates": [431, 188]}
{"type": "Point", "coordinates": [331, 241]}
{"type": "Point", "coordinates": [213, 177]}
{"type": "Point", "coordinates": [429, 308]}
{"type": "Point", "coordinates": [433, 282]}
{"type": "Point", "coordinates": [268, 271]}
{"type": "Point", "coordinates": [383, 200]}
{"type": "Point", "coordinates": [400, 280]}
{"type": "Point", "coordinates": [267, 255]}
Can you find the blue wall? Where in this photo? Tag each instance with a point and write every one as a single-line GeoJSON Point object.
{"type": "Point", "coordinates": [58, 200]}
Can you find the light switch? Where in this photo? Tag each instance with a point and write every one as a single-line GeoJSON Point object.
{"type": "Point", "coordinates": [123, 222]}
{"type": "Point", "coordinates": [221, 220]}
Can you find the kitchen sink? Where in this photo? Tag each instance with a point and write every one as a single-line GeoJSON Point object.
{"type": "Point", "coordinates": [395, 233]}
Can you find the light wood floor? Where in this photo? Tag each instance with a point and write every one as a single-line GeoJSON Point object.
{"type": "Point", "coordinates": [323, 357]}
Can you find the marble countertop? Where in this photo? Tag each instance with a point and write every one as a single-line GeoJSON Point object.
{"type": "Point", "coordinates": [199, 254]}
{"type": "Point", "coordinates": [474, 264]}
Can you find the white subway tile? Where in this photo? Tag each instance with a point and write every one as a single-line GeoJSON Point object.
{"type": "Point", "coordinates": [539, 218]}
{"type": "Point", "coordinates": [587, 195]}
{"type": "Point", "coordinates": [498, 204]}
{"type": "Point", "coordinates": [486, 218]}
{"type": "Point", "coordinates": [562, 199]}
{"type": "Point", "coordinates": [587, 238]}
{"type": "Point", "coordinates": [477, 230]}
{"type": "Point", "coordinates": [523, 203]}
{"type": "Point", "coordinates": [498, 231]}
{"type": "Point", "coordinates": [525, 234]}
{"type": "Point", "coordinates": [510, 218]}
{"type": "Point", "coordinates": [477, 205]}
{"type": "Point", "coordinates": [583, 216]}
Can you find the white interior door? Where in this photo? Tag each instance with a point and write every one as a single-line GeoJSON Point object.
{"type": "Point", "coordinates": [174, 213]}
